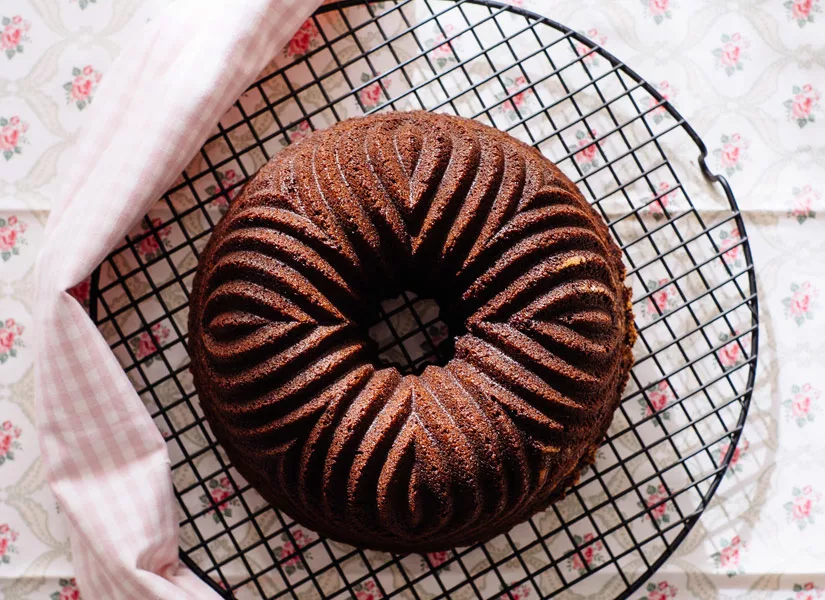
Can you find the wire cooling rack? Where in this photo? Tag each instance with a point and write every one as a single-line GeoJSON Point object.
{"type": "Point", "coordinates": [631, 154]}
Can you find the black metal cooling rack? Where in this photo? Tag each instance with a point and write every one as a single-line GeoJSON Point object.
{"type": "Point", "coordinates": [633, 156]}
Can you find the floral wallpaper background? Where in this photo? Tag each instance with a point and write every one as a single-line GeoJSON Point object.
{"type": "Point", "coordinates": [749, 76]}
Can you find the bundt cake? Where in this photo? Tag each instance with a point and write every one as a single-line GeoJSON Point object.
{"type": "Point", "coordinates": [525, 273]}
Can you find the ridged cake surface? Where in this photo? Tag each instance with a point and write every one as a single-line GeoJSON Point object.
{"type": "Point", "coordinates": [524, 270]}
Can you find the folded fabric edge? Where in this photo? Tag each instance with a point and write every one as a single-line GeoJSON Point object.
{"type": "Point", "coordinates": [103, 456]}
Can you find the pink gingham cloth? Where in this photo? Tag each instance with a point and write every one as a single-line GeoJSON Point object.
{"type": "Point", "coordinates": [104, 458]}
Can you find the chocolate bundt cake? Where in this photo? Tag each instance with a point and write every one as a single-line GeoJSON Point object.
{"type": "Point", "coordinates": [526, 276]}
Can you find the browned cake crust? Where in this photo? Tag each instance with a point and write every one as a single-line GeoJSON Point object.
{"type": "Point", "coordinates": [518, 261]}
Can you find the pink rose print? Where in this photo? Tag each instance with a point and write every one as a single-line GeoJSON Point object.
{"type": "Point", "coordinates": [658, 9]}
{"type": "Point", "coordinates": [729, 555]}
{"type": "Point", "coordinates": [81, 291]}
{"type": "Point", "coordinates": [367, 590]}
{"type": "Point", "coordinates": [665, 197]}
{"type": "Point", "coordinates": [659, 591]}
{"type": "Point", "coordinates": [662, 299]}
{"type": "Point", "coordinates": [740, 452]}
{"type": "Point", "coordinates": [730, 155]}
{"type": "Point", "coordinates": [799, 305]}
{"type": "Point", "coordinates": [300, 131]}
{"type": "Point", "coordinates": [800, 407]}
{"type": "Point", "coordinates": [149, 244]}
{"type": "Point", "coordinates": [668, 92]}
{"type": "Point", "coordinates": [803, 203]}
{"type": "Point", "coordinates": [304, 40]}
{"type": "Point", "coordinates": [802, 11]}
{"type": "Point", "coordinates": [81, 88]}
{"type": "Point", "coordinates": [731, 53]}
{"type": "Point", "coordinates": [513, 85]}
{"type": "Point", "coordinates": [802, 507]}
{"type": "Point", "coordinates": [290, 553]}
{"type": "Point", "coordinates": [586, 556]}
{"type": "Point", "coordinates": [442, 51]}
{"type": "Point", "coordinates": [296, 133]}
{"type": "Point", "coordinates": [68, 590]}
{"type": "Point", "coordinates": [519, 592]}
{"type": "Point", "coordinates": [587, 156]}
{"type": "Point", "coordinates": [590, 57]}
{"type": "Point", "coordinates": [12, 136]}
{"type": "Point", "coordinates": [801, 107]}
{"type": "Point", "coordinates": [657, 494]}
{"type": "Point", "coordinates": [436, 560]}
{"type": "Point", "coordinates": [220, 490]}
{"type": "Point", "coordinates": [225, 191]}
{"type": "Point", "coordinates": [10, 340]}
{"type": "Point", "coordinates": [372, 94]}
{"type": "Point", "coordinates": [147, 343]}
{"type": "Point", "coordinates": [83, 3]}
{"type": "Point", "coordinates": [11, 237]}
{"type": "Point", "coordinates": [728, 559]}
{"type": "Point", "coordinates": [807, 591]}
{"type": "Point", "coordinates": [730, 355]}
{"type": "Point", "coordinates": [730, 247]}
{"type": "Point", "coordinates": [7, 538]}
{"type": "Point", "coordinates": [658, 397]}
{"type": "Point", "coordinates": [9, 436]}
{"type": "Point", "coordinates": [15, 32]}
{"type": "Point", "coordinates": [515, 99]}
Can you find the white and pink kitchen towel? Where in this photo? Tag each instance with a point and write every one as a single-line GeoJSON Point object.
{"type": "Point", "coordinates": [104, 458]}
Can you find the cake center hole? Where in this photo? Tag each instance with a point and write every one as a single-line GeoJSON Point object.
{"type": "Point", "coordinates": [410, 334]}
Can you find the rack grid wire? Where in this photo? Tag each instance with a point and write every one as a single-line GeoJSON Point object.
{"type": "Point", "coordinates": [632, 155]}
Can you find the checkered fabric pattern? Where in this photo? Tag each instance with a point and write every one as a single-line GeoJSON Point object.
{"type": "Point", "coordinates": [104, 458]}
